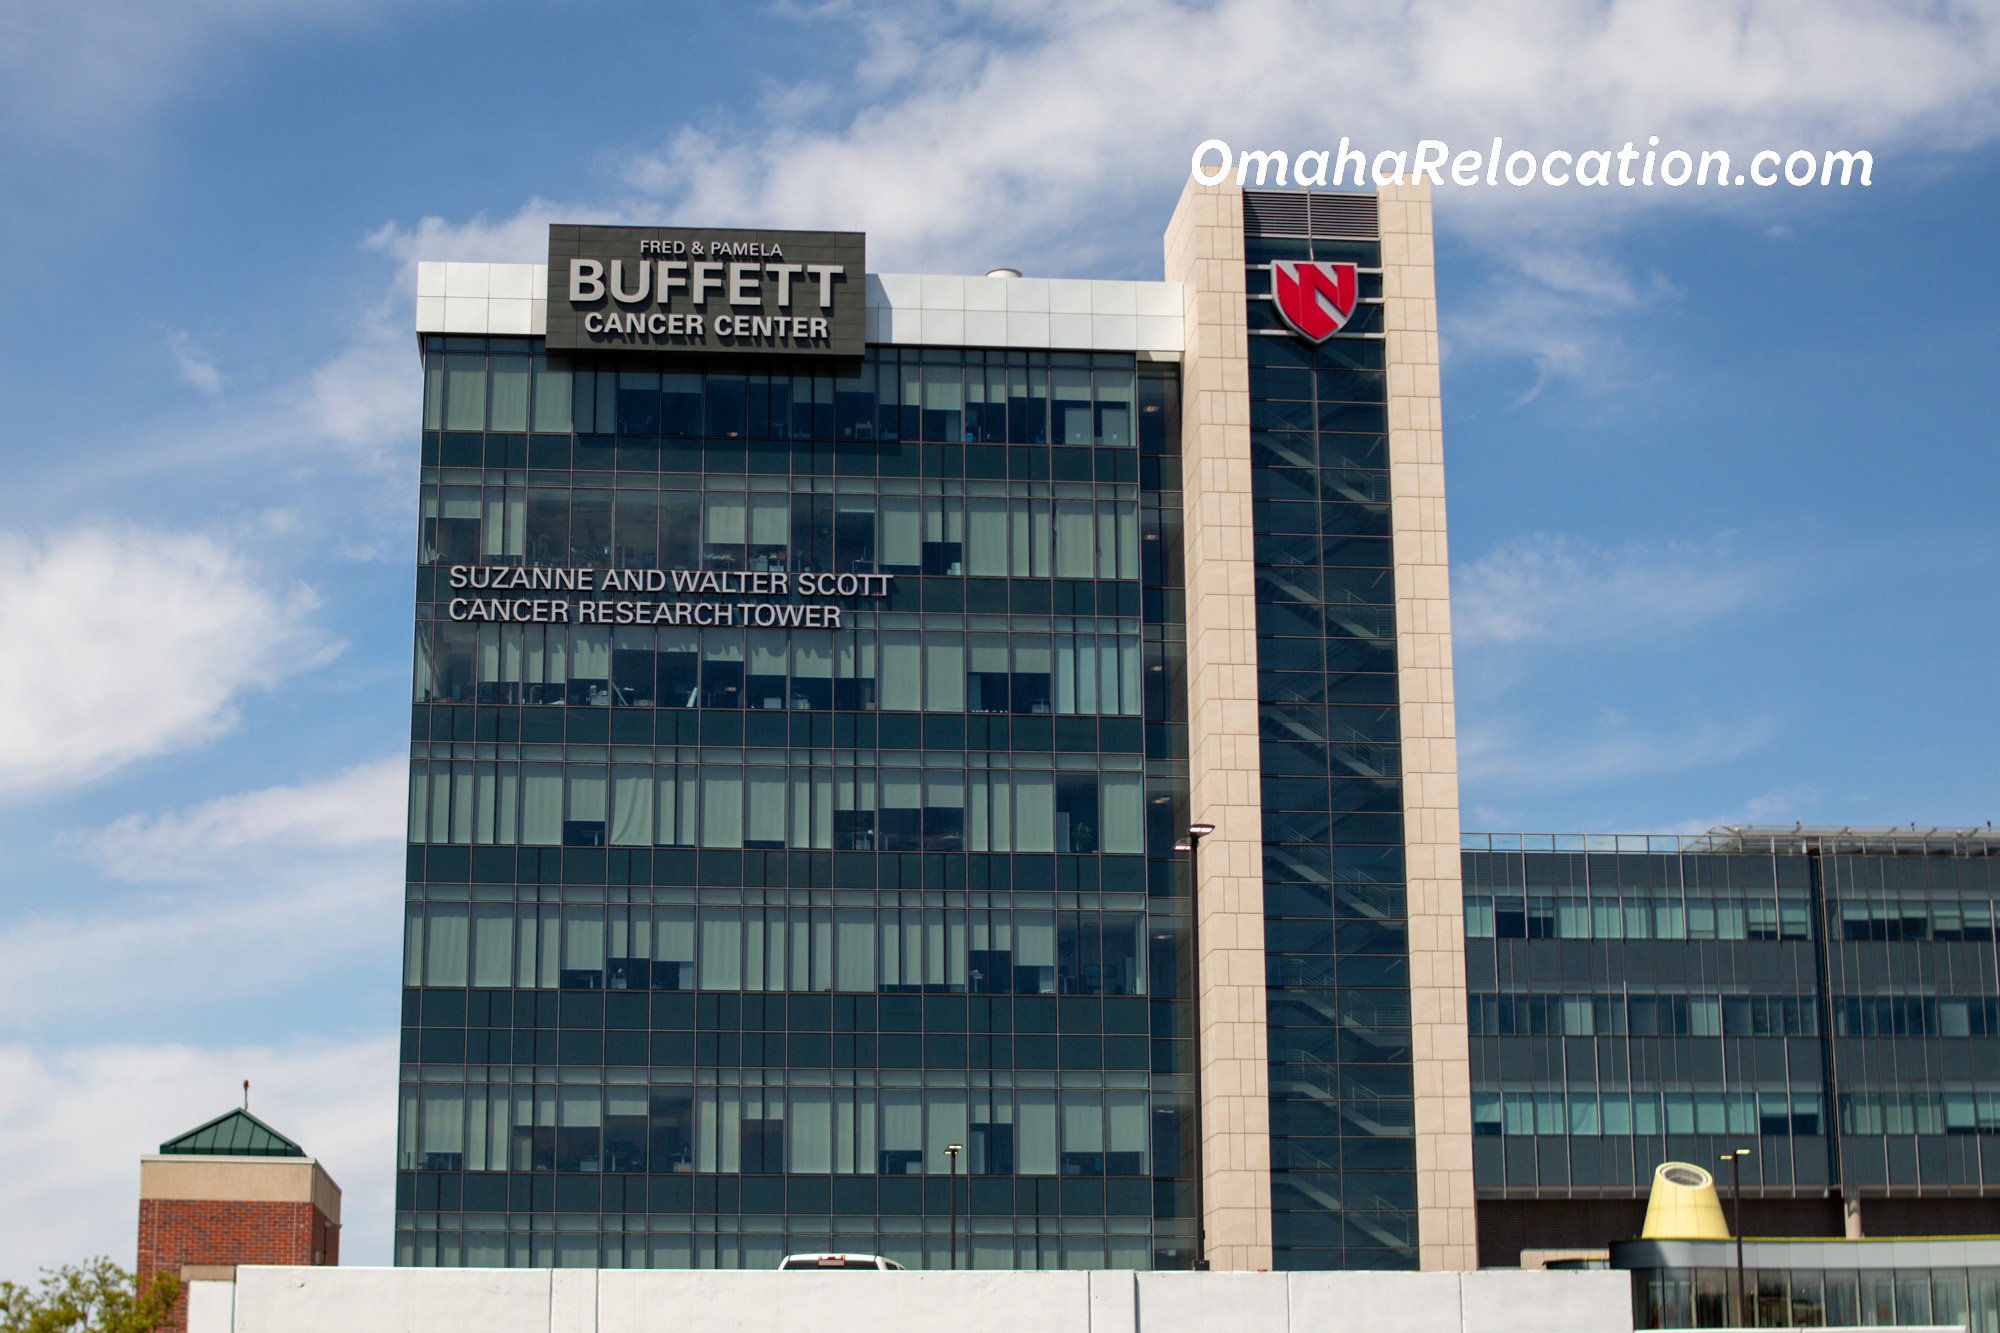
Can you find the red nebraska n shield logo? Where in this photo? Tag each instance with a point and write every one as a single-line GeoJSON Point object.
{"type": "Point", "coordinates": [1315, 298]}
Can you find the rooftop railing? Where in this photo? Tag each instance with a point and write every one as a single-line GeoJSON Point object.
{"type": "Point", "coordinates": [1758, 839]}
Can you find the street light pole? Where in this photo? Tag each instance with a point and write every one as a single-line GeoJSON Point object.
{"type": "Point", "coordinates": [952, 1150]}
{"type": "Point", "coordinates": [1191, 844]}
{"type": "Point", "coordinates": [1735, 1160]}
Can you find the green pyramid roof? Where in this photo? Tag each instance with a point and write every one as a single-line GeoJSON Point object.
{"type": "Point", "coordinates": [235, 1134]}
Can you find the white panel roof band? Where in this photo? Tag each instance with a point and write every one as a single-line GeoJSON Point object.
{"type": "Point", "coordinates": [906, 309]}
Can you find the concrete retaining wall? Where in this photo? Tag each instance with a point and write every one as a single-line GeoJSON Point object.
{"type": "Point", "coordinates": [427, 1300]}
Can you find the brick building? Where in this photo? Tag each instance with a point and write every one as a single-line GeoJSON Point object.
{"type": "Point", "coordinates": [229, 1192]}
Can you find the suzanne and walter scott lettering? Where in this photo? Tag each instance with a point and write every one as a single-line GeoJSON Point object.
{"type": "Point", "coordinates": [666, 596]}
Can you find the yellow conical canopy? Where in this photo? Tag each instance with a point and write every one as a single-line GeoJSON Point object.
{"type": "Point", "coordinates": [1683, 1205]}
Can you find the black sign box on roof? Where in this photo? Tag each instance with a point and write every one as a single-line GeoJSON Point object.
{"type": "Point", "coordinates": [707, 290]}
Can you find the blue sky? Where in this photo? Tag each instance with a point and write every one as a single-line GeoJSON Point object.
{"type": "Point", "coordinates": [1721, 464]}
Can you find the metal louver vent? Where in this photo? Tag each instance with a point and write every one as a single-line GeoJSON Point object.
{"type": "Point", "coordinates": [1310, 213]}
{"type": "Point", "coordinates": [1274, 213]}
{"type": "Point", "coordinates": [1345, 216]}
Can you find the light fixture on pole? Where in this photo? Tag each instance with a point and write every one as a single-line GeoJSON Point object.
{"type": "Point", "coordinates": [952, 1150]}
{"type": "Point", "coordinates": [1735, 1160]}
{"type": "Point", "coordinates": [1191, 844]}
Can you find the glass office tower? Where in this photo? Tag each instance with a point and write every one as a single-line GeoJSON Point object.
{"type": "Point", "coordinates": [731, 916]}
{"type": "Point", "coordinates": [801, 744]}
{"type": "Point", "coordinates": [720, 936]}
{"type": "Point", "coordinates": [1827, 998]}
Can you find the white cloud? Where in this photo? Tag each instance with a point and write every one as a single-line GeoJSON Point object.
{"type": "Point", "coordinates": [1774, 807]}
{"type": "Point", "coordinates": [356, 409]}
{"type": "Point", "coordinates": [68, 70]}
{"type": "Point", "coordinates": [983, 146]}
{"type": "Point", "coordinates": [1499, 762]}
{"type": "Point", "coordinates": [1547, 588]}
{"type": "Point", "coordinates": [350, 417]}
{"type": "Point", "coordinates": [117, 645]}
{"type": "Point", "coordinates": [284, 914]}
{"type": "Point", "coordinates": [1559, 303]}
{"type": "Point", "coordinates": [194, 365]}
{"type": "Point", "coordinates": [360, 807]}
{"type": "Point", "coordinates": [996, 131]}
{"type": "Point", "coordinates": [245, 928]}
{"type": "Point", "coordinates": [363, 401]}
{"type": "Point", "coordinates": [990, 132]}
{"type": "Point", "coordinates": [1018, 133]}
{"type": "Point", "coordinates": [515, 239]}
{"type": "Point", "coordinates": [1546, 604]}
{"type": "Point", "coordinates": [74, 1123]}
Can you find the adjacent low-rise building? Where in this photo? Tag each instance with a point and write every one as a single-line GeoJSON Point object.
{"type": "Point", "coordinates": [1826, 998]}
{"type": "Point", "coordinates": [232, 1191]}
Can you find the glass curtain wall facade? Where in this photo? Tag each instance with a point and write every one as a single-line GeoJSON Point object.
{"type": "Point", "coordinates": [718, 936]}
{"type": "Point", "coordinates": [1829, 1001]}
{"type": "Point", "coordinates": [1343, 1171]}
{"type": "Point", "coordinates": [1815, 1284]}
{"type": "Point", "coordinates": [720, 933]}
{"type": "Point", "coordinates": [1809, 1297]}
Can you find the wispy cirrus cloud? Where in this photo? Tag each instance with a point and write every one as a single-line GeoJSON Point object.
{"type": "Point", "coordinates": [266, 922]}
{"type": "Point", "coordinates": [194, 366]}
{"type": "Point", "coordinates": [1016, 115]}
{"type": "Point", "coordinates": [1500, 762]}
{"type": "Point", "coordinates": [74, 1123]}
{"type": "Point", "coordinates": [345, 418]}
{"type": "Point", "coordinates": [202, 950]}
{"type": "Point", "coordinates": [1559, 304]}
{"type": "Point", "coordinates": [70, 72]}
{"type": "Point", "coordinates": [120, 644]}
{"type": "Point", "coordinates": [1009, 133]}
{"type": "Point", "coordinates": [1553, 588]}
{"type": "Point", "coordinates": [360, 807]}
{"type": "Point", "coordinates": [985, 132]}
{"type": "Point", "coordinates": [1788, 806]}
{"type": "Point", "coordinates": [278, 890]}
{"type": "Point", "coordinates": [1783, 807]}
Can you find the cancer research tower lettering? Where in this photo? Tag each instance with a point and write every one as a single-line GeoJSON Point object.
{"type": "Point", "coordinates": [507, 594]}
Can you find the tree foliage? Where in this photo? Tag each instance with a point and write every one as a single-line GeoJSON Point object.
{"type": "Point", "coordinates": [96, 1296]}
